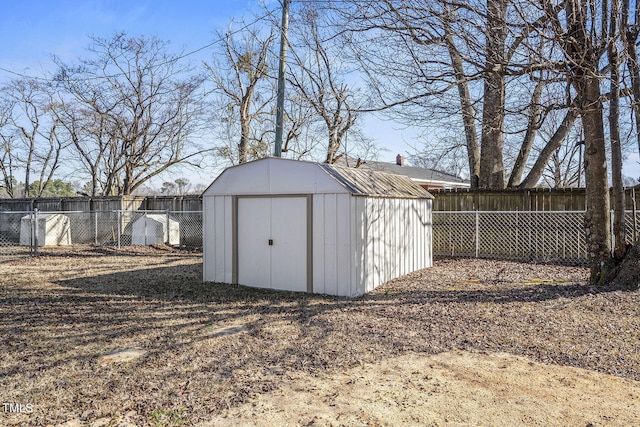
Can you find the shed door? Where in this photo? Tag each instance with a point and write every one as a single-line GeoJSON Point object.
{"type": "Point", "coordinates": [272, 242]}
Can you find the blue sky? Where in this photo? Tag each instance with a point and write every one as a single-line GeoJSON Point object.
{"type": "Point", "coordinates": [31, 31]}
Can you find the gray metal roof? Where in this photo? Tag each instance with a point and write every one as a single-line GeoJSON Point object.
{"type": "Point", "coordinates": [368, 182]}
{"type": "Point", "coordinates": [416, 173]}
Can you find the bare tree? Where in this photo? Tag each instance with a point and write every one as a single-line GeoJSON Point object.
{"type": "Point", "coordinates": [564, 167]}
{"type": "Point", "coordinates": [630, 29]}
{"type": "Point", "coordinates": [319, 79]}
{"type": "Point", "coordinates": [437, 61]}
{"type": "Point", "coordinates": [244, 93]}
{"type": "Point", "coordinates": [30, 139]}
{"type": "Point", "coordinates": [7, 146]}
{"type": "Point", "coordinates": [132, 111]}
{"type": "Point", "coordinates": [582, 33]}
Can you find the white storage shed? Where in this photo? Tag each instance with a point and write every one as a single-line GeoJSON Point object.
{"type": "Point", "coordinates": [300, 226]}
{"type": "Point", "coordinates": [155, 229]}
{"type": "Point", "coordinates": [51, 229]}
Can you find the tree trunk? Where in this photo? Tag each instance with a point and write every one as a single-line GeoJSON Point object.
{"type": "Point", "coordinates": [627, 274]}
{"type": "Point", "coordinates": [492, 140]}
{"type": "Point", "coordinates": [468, 112]}
{"type": "Point", "coordinates": [554, 143]}
{"type": "Point", "coordinates": [619, 228]}
{"type": "Point", "coordinates": [597, 220]}
{"type": "Point", "coordinates": [532, 127]}
{"type": "Point", "coordinates": [243, 146]}
{"type": "Point", "coordinates": [630, 35]}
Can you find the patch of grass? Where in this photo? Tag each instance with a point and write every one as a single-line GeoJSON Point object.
{"type": "Point", "coordinates": [167, 418]}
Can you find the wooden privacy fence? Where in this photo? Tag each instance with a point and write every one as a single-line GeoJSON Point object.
{"type": "Point", "coordinates": [536, 199]}
{"type": "Point", "coordinates": [103, 204]}
{"type": "Point", "coordinates": [540, 236]}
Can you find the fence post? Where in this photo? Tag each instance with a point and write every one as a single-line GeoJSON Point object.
{"type": "Point", "coordinates": [477, 234]}
{"type": "Point", "coordinates": [612, 236]}
{"type": "Point", "coordinates": [119, 226]}
{"type": "Point", "coordinates": [168, 242]}
{"type": "Point", "coordinates": [95, 224]}
{"type": "Point", "coordinates": [35, 232]}
{"type": "Point", "coordinates": [635, 220]}
{"type": "Point", "coordinates": [144, 222]}
{"type": "Point", "coordinates": [32, 232]}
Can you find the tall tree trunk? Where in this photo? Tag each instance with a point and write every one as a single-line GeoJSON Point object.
{"type": "Point", "coordinates": [584, 44]}
{"type": "Point", "coordinates": [492, 140]}
{"type": "Point", "coordinates": [597, 220]}
{"type": "Point", "coordinates": [243, 145]}
{"type": "Point", "coordinates": [532, 127]}
{"type": "Point", "coordinates": [332, 150]}
{"type": "Point", "coordinates": [619, 228]}
{"type": "Point", "coordinates": [468, 111]}
{"type": "Point", "coordinates": [534, 175]}
{"type": "Point", "coordinates": [630, 35]}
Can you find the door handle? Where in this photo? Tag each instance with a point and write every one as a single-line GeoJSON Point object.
{"type": "Point", "coordinates": [270, 242]}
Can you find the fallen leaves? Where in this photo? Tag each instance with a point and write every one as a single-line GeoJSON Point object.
{"type": "Point", "coordinates": [209, 347]}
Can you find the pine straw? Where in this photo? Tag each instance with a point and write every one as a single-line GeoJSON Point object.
{"type": "Point", "coordinates": [212, 346]}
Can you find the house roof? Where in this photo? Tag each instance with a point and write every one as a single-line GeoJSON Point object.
{"type": "Point", "coordinates": [365, 181]}
{"type": "Point", "coordinates": [418, 174]}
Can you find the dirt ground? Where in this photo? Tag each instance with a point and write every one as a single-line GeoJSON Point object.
{"type": "Point", "coordinates": [454, 389]}
{"type": "Point", "coordinates": [103, 338]}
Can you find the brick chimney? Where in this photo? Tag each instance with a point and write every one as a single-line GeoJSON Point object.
{"type": "Point", "coordinates": [399, 160]}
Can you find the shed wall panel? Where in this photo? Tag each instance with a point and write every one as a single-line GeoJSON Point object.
{"type": "Point", "coordinates": [359, 235]}
{"type": "Point", "coordinates": [321, 238]}
{"type": "Point", "coordinates": [208, 255]}
{"type": "Point", "coordinates": [217, 244]}
{"type": "Point", "coordinates": [344, 249]}
{"type": "Point", "coordinates": [331, 244]}
{"type": "Point", "coordinates": [218, 237]}
{"type": "Point", "coordinates": [396, 239]}
{"type": "Point", "coordinates": [228, 239]}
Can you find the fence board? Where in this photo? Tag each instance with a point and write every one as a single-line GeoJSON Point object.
{"type": "Point", "coordinates": [537, 199]}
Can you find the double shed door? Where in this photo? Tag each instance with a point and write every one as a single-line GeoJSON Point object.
{"type": "Point", "coordinates": [273, 242]}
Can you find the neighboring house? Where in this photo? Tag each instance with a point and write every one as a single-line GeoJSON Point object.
{"type": "Point", "coordinates": [428, 179]}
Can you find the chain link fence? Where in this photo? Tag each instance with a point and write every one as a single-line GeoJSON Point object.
{"type": "Point", "coordinates": [539, 236]}
{"type": "Point", "coordinates": [551, 236]}
{"type": "Point", "coordinates": [10, 247]}
{"type": "Point", "coordinates": [28, 233]}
